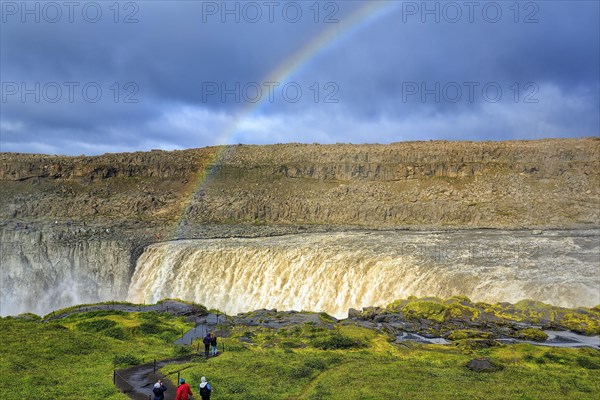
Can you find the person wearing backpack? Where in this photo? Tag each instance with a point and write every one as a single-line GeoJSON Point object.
{"type": "Point", "coordinates": [204, 389]}
{"type": "Point", "coordinates": [214, 349]}
{"type": "Point", "coordinates": [206, 342]}
{"type": "Point", "coordinates": [159, 390]}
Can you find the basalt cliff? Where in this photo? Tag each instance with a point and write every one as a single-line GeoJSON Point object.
{"type": "Point", "coordinates": [73, 229]}
{"type": "Point", "coordinates": [514, 184]}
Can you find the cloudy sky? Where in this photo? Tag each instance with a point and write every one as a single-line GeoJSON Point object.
{"type": "Point", "coordinates": [95, 77]}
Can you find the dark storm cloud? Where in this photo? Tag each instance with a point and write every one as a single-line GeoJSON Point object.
{"type": "Point", "coordinates": [393, 78]}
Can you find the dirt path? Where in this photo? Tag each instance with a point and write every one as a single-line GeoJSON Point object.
{"type": "Point", "coordinates": [137, 382]}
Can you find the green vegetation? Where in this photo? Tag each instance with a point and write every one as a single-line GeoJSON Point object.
{"type": "Point", "coordinates": [79, 307]}
{"type": "Point", "coordinates": [468, 334]}
{"type": "Point", "coordinates": [457, 310]}
{"type": "Point", "coordinates": [435, 311]}
{"type": "Point", "coordinates": [289, 363]}
{"type": "Point", "coordinates": [533, 334]}
{"type": "Point", "coordinates": [323, 316]}
{"type": "Point", "coordinates": [73, 358]}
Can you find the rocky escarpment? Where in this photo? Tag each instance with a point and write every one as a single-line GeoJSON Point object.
{"type": "Point", "coordinates": [544, 183]}
{"type": "Point", "coordinates": [19, 167]}
{"type": "Point", "coordinates": [459, 318]}
{"type": "Point", "coordinates": [420, 184]}
{"type": "Point", "coordinates": [129, 187]}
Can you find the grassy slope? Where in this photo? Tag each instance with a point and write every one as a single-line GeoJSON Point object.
{"type": "Point", "coordinates": [62, 360]}
{"type": "Point", "coordinates": [384, 371]}
{"type": "Point", "coordinates": [73, 359]}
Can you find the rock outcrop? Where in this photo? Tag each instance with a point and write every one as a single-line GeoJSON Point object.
{"type": "Point", "coordinates": [422, 185]}
{"type": "Point", "coordinates": [459, 318]}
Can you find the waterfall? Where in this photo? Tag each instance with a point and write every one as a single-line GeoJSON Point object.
{"type": "Point", "coordinates": [336, 271]}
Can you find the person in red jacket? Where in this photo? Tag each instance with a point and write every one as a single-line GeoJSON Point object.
{"type": "Point", "coordinates": [183, 391]}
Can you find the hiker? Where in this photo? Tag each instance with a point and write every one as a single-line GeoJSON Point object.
{"type": "Point", "coordinates": [206, 342]}
{"type": "Point", "coordinates": [183, 391]}
{"type": "Point", "coordinates": [204, 389]}
{"type": "Point", "coordinates": [214, 349]}
{"type": "Point", "coordinates": [159, 390]}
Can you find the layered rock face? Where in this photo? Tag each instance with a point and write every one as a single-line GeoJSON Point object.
{"type": "Point", "coordinates": [545, 183]}
{"type": "Point", "coordinates": [113, 187]}
{"type": "Point", "coordinates": [550, 183]}
{"type": "Point", "coordinates": [73, 228]}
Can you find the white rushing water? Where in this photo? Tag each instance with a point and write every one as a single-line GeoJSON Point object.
{"type": "Point", "coordinates": [333, 272]}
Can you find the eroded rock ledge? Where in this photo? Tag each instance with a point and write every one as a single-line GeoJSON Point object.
{"type": "Point", "coordinates": [514, 184]}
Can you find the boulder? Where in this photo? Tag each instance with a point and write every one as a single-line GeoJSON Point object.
{"type": "Point", "coordinates": [380, 318]}
{"type": "Point", "coordinates": [483, 365]}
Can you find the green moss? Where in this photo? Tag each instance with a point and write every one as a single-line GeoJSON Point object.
{"type": "Point", "coordinates": [474, 343]}
{"type": "Point", "coordinates": [326, 317]}
{"type": "Point", "coordinates": [425, 309]}
{"type": "Point", "coordinates": [155, 328]}
{"type": "Point", "coordinates": [463, 299]}
{"type": "Point", "coordinates": [582, 320]}
{"type": "Point", "coordinates": [396, 305]}
{"type": "Point", "coordinates": [587, 323]}
{"type": "Point", "coordinates": [298, 362]}
{"type": "Point", "coordinates": [466, 334]}
{"type": "Point", "coordinates": [534, 334]}
{"type": "Point", "coordinates": [181, 350]}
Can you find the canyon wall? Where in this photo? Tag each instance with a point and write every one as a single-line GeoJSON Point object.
{"type": "Point", "coordinates": [45, 270]}
{"type": "Point", "coordinates": [74, 229]}
{"type": "Point", "coordinates": [518, 184]}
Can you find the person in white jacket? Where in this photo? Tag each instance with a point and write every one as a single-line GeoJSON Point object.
{"type": "Point", "coordinates": [204, 389]}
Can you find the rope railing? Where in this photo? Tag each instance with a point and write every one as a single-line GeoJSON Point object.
{"type": "Point", "coordinates": [125, 387]}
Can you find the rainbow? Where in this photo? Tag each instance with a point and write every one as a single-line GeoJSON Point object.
{"type": "Point", "coordinates": [346, 27]}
